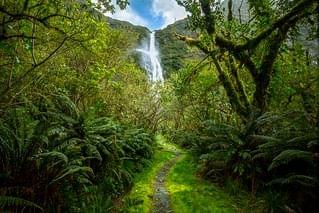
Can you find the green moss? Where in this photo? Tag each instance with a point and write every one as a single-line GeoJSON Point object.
{"type": "Point", "coordinates": [140, 197]}
{"type": "Point", "coordinates": [191, 194]}
{"type": "Point", "coordinates": [188, 193]}
{"type": "Point", "coordinates": [166, 146]}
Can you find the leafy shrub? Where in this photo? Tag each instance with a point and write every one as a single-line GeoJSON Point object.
{"type": "Point", "coordinates": [269, 154]}
{"type": "Point", "coordinates": [51, 155]}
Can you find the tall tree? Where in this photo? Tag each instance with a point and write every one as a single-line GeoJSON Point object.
{"type": "Point", "coordinates": [253, 46]}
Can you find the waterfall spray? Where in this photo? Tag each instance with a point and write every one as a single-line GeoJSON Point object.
{"type": "Point", "coordinates": [150, 60]}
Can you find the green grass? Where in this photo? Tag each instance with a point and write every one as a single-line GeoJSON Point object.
{"type": "Point", "coordinates": [191, 194]}
{"type": "Point", "coordinates": [140, 197]}
{"type": "Point", "coordinates": [188, 193]}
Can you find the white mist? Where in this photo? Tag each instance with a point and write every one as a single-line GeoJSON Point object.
{"type": "Point", "coordinates": [150, 60]}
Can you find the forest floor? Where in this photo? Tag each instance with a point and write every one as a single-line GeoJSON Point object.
{"type": "Point", "coordinates": [170, 184]}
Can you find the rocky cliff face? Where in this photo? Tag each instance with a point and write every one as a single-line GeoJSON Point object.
{"type": "Point", "coordinates": [175, 53]}
{"type": "Point", "coordinates": [140, 31]}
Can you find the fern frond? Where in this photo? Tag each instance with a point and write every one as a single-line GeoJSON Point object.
{"type": "Point", "coordinates": [93, 152]}
{"type": "Point", "coordinates": [265, 138]}
{"type": "Point", "coordinates": [68, 143]}
{"type": "Point", "coordinates": [303, 180]}
{"type": "Point", "coordinates": [65, 104]}
{"type": "Point", "coordinates": [314, 143]}
{"type": "Point", "coordinates": [9, 201]}
{"type": "Point", "coordinates": [55, 155]}
{"type": "Point", "coordinates": [73, 170]}
{"type": "Point", "coordinates": [289, 155]}
{"type": "Point", "coordinates": [302, 141]}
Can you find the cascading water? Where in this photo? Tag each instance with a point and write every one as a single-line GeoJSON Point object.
{"type": "Point", "coordinates": [150, 60]}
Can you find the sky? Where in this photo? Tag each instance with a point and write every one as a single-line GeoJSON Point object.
{"type": "Point", "coordinates": [153, 14]}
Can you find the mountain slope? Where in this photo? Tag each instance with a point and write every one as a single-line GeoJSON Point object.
{"type": "Point", "coordinates": [173, 52]}
{"type": "Point", "coordinates": [126, 27]}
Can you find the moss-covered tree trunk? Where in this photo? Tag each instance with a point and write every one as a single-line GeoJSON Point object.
{"type": "Point", "coordinates": [245, 56]}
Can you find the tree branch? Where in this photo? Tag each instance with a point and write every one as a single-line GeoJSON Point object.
{"type": "Point", "coordinates": [5, 37]}
{"type": "Point", "coordinates": [239, 85]}
{"type": "Point", "coordinates": [299, 9]}
{"type": "Point", "coordinates": [209, 17]}
{"type": "Point", "coordinates": [230, 90]}
{"type": "Point", "coordinates": [230, 10]}
{"type": "Point", "coordinates": [33, 45]}
{"type": "Point", "coordinates": [34, 66]}
{"type": "Point", "coordinates": [41, 20]}
{"type": "Point", "coordinates": [266, 67]}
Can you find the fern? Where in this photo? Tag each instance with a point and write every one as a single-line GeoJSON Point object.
{"type": "Point", "coordinates": [53, 155]}
{"type": "Point", "coordinates": [71, 171]}
{"type": "Point", "coordinates": [64, 104]}
{"type": "Point", "coordinates": [302, 180]}
{"type": "Point", "coordinates": [287, 156]}
{"type": "Point", "coordinates": [265, 138]}
{"type": "Point", "coordinates": [62, 151]}
{"type": "Point", "coordinates": [9, 201]}
{"type": "Point", "coordinates": [93, 152]}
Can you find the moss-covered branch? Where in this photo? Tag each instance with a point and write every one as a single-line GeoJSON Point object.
{"type": "Point", "coordinates": [299, 10]}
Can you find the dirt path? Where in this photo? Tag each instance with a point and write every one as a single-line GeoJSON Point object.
{"type": "Point", "coordinates": [161, 200]}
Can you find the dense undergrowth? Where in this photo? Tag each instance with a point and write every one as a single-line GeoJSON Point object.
{"type": "Point", "coordinates": [249, 109]}
{"type": "Point", "coordinates": [274, 156]}
{"type": "Point", "coordinates": [78, 115]}
{"type": "Point", "coordinates": [73, 130]}
{"type": "Point", "coordinates": [53, 158]}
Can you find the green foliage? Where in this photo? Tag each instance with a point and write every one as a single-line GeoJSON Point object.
{"type": "Point", "coordinates": [77, 114]}
{"type": "Point", "coordinates": [173, 52]}
{"type": "Point", "coordinates": [139, 199]}
{"type": "Point", "coordinates": [189, 193]}
{"type": "Point", "coordinates": [250, 112]}
{"type": "Point", "coordinates": [64, 150]}
{"type": "Point", "coordinates": [7, 202]}
{"type": "Point", "coordinates": [287, 156]}
{"type": "Point", "coordinates": [68, 138]}
{"type": "Point", "coordinates": [274, 160]}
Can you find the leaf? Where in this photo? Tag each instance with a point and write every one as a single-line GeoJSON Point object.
{"type": "Point", "coordinates": [265, 138]}
{"type": "Point", "coordinates": [53, 154]}
{"type": "Point", "coordinates": [9, 201]}
{"type": "Point", "coordinates": [93, 152]}
{"type": "Point", "coordinates": [303, 180]}
{"type": "Point", "coordinates": [289, 155]}
{"type": "Point", "coordinates": [71, 171]}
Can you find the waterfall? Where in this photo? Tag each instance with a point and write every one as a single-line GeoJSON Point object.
{"type": "Point", "coordinates": [150, 60]}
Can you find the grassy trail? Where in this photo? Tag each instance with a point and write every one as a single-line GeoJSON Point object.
{"type": "Point", "coordinates": [187, 192]}
{"type": "Point", "coordinates": [190, 194]}
{"type": "Point", "coordinates": [140, 199]}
